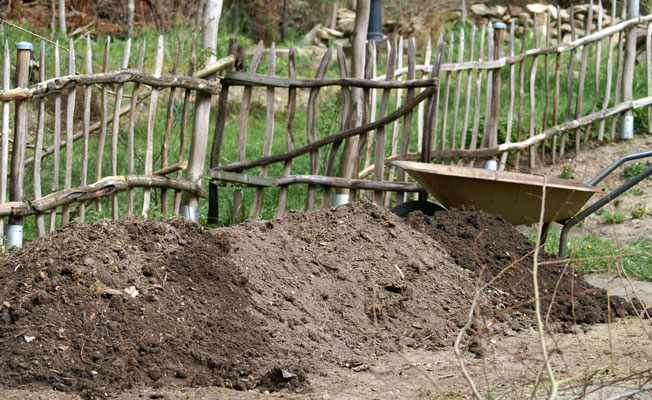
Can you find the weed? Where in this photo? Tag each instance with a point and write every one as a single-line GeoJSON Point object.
{"type": "Point", "coordinates": [638, 212]}
{"type": "Point", "coordinates": [633, 169]}
{"type": "Point", "coordinates": [613, 218]}
{"type": "Point", "coordinates": [636, 192]}
{"type": "Point", "coordinates": [567, 172]}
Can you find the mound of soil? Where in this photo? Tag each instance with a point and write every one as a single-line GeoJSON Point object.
{"type": "Point", "coordinates": [97, 307]}
{"type": "Point", "coordinates": [100, 307]}
{"type": "Point", "coordinates": [503, 258]}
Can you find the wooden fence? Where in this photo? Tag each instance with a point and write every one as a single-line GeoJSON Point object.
{"type": "Point", "coordinates": [103, 154]}
{"type": "Point", "coordinates": [464, 103]}
{"type": "Point", "coordinates": [469, 119]}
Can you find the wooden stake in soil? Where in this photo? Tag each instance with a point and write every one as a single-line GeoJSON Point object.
{"type": "Point", "coordinates": [104, 122]}
{"type": "Point", "coordinates": [555, 103]}
{"type": "Point", "coordinates": [521, 97]}
{"type": "Point", "coordinates": [344, 120]}
{"type": "Point", "coordinates": [546, 72]}
{"type": "Point", "coordinates": [444, 114]}
{"type": "Point", "coordinates": [394, 143]}
{"type": "Point", "coordinates": [374, 95]}
{"type": "Point", "coordinates": [467, 98]}
{"type": "Point", "coordinates": [5, 132]}
{"type": "Point", "coordinates": [426, 63]}
{"type": "Point", "coordinates": [607, 89]}
{"type": "Point", "coordinates": [57, 137]}
{"type": "Point", "coordinates": [17, 173]}
{"type": "Point", "coordinates": [407, 120]}
{"type": "Point", "coordinates": [269, 130]}
{"type": "Point", "coordinates": [130, 136]}
{"type": "Point", "coordinates": [242, 127]}
{"type": "Point", "coordinates": [512, 95]}
{"type": "Point", "coordinates": [218, 134]}
{"type": "Point", "coordinates": [116, 130]}
{"type": "Point", "coordinates": [619, 72]}
{"type": "Point", "coordinates": [289, 138]}
{"type": "Point", "coordinates": [478, 93]}
{"type": "Point", "coordinates": [458, 84]}
{"type": "Point", "coordinates": [165, 147]}
{"type": "Point", "coordinates": [431, 107]}
{"type": "Point", "coordinates": [490, 140]}
{"type": "Point", "coordinates": [70, 130]}
{"type": "Point", "coordinates": [153, 103]}
{"type": "Point", "coordinates": [569, 86]}
{"type": "Point", "coordinates": [38, 149]}
{"type": "Point", "coordinates": [87, 124]}
{"type": "Point", "coordinates": [379, 153]}
{"type": "Point", "coordinates": [183, 139]}
{"type": "Point", "coordinates": [598, 63]}
{"type": "Point", "coordinates": [533, 77]}
{"type": "Point", "coordinates": [580, 89]}
{"type": "Point", "coordinates": [311, 125]}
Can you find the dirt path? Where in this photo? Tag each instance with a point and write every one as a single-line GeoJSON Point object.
{"type": "Point", "coordinates": [587, 165]}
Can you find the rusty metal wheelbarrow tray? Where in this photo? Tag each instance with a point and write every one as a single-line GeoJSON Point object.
{"type": "Point", "coordinates": [516, 197]}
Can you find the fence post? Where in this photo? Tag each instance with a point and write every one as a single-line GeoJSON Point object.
{"type": "Point", "coordinates": [201, 120]}
{"type": "Point", "coordinates": [491, 139]}
{"type": "Point", "coordinates": [627, 131]}
{"type": "Point", "coordinates": [14, 230]}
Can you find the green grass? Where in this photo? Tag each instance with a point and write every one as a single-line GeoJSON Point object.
{"type": "Point", "coordinates": [600, 254]}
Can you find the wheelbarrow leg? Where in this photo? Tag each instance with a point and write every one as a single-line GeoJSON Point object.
{"type": "Point", "coordinates": [571, 222]}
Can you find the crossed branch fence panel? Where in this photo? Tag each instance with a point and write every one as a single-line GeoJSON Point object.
{"type": "Point", "coordinates": [38, 143]}
{"type": "Point", "coordinates": [465, 90]}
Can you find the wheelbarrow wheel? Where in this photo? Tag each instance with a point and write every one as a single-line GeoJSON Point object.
{"type": "Point", "coordinates": [426, 207]}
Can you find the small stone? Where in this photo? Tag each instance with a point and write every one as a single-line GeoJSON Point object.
{"type": "Point", "coordinates": [29, 338]}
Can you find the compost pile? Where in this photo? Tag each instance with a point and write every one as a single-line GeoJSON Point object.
{"type": "Point", "coordinates": [503, 258]}
{"type": "Point", "coordinates": [100, 307]}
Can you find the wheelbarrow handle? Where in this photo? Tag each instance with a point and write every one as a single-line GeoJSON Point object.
{"type": "Point", "coordinates": [618, 163]}
{"type": "Point", "coordinates": [571, 222]}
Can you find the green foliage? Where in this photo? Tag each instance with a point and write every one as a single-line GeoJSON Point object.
{"type": "Point", "coordinates": [638, 212]}
{"type": "Point", "coordinates": [636, 191]}
{"type": "Point", "coordinates": [589, 253]}
{"type": "Point", "coordinates": [567, 172]}
{"type": "Point", "coordinates": [633, 169]}
{"type": "Point", "coordinates": [616, 217]}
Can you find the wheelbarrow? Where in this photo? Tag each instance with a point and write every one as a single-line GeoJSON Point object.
{"type": "Point", "coordinates": [515, 197]}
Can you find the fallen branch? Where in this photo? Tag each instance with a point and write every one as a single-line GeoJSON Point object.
{"type": "Point", "coordinates": [102, 188]}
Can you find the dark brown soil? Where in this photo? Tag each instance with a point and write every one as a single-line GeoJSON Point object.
{"type": "Point", "coordinates": [256, 305]}
{"type": "Point", "coordinates": [495, 251]}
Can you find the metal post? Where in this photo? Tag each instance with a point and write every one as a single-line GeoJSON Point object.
{"type": "Point", "coordinates": [491, 138]}
{"type": "Point", "coordinates": [14, 230]}
{"type": "Point", "coordinates": [375, 29]}
{"type": "Point", "coordinates": [627, 129]}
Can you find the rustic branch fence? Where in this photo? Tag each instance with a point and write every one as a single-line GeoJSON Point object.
{"type": "Point", "coordinates": [37, 141]}
{"type": "Point", "coordinates": [467, 118]}
{"type": "Point", "coordinates": [471, 108]}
